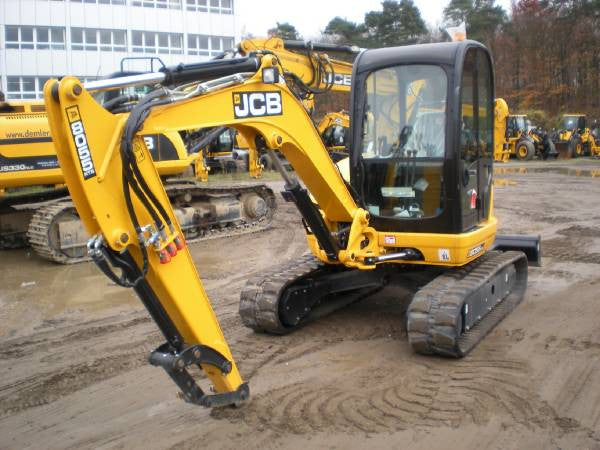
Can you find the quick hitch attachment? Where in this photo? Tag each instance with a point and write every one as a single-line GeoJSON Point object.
{"type": "Point", "coordinates": [175, 365]}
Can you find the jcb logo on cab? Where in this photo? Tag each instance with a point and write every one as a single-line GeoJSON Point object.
{"type": "Point", "coordinates": [256, 104]}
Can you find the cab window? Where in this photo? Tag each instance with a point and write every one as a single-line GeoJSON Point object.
{"type": "Point", "coordinates": [403, 141]}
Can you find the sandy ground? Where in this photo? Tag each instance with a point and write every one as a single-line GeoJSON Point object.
{"type": "Point", "coordinates": [73, 348]}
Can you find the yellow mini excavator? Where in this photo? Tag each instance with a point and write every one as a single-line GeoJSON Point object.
{"type": "Point", "coordinates": [418, 206]}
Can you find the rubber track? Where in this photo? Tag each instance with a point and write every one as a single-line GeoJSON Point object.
{"type": "Point", "coordinates": [38, 233]}
{"type": "Point", "coordinates": [434, 317]}
{"type": "Point", "coordinates": [259, 300]}
{"type": "Point", "coordinates": [42, 220]}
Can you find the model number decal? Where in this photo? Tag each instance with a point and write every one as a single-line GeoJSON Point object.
{"type": "Point", "coordinates": [475, 251]}
{"type": "Point", "coordinates": [256, 104]}
{"type": "Point", "coordinates": [81, 142]}
{"type": "Point", "coordinates": [15, 168]}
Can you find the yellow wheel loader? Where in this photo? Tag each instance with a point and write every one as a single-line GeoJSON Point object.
{"type": "Point", "coordinates": [574, 139]}
{"type": "Point", "coordinates": [515, 137]}
{"type": "Point", "coordinates": [418, 208]}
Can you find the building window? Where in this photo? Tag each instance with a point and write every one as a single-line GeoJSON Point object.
{"type": "Point", "coordinates": [221, 6]}
{"type": "Point", "coordinates": [25, 88]}
{"type": "Point", "coordinates": [41, 38]}
{"type": "Point", "coordinates": [216, 6]}
{"type": "Point", "coordinates": [86, 79]}
{"type": "Point", "coordinates": [163, 4]}
{"type": "Point", "coordinates": [94, 39]}
{"type": "Point", "coordinates": [199, 44]}
{"type": "Point", "coordinates": [151, 42]}
{"type": "Point", "coordinates": [101, 2]}
{"type": "Point", "coordinates": [197, 5]}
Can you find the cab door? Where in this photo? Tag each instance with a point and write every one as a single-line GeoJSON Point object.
{"type": "Point", "coordinates": [476, 138]}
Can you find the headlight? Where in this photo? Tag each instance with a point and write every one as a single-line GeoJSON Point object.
{"type": "Point", "coordinates": [270, 75]}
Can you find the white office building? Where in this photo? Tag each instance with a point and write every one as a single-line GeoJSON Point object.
{"type": "Point", "coordinates": [40, 39]}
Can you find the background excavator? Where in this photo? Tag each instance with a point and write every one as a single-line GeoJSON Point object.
{"type": "Point", "coordinates": [309, 72]}
{"type": "Point", "coordinates": [418, 206]}
{"type": "Point", "coordinates": [35, 208]}
{"type": "Point", "coordinates": [45, 218]}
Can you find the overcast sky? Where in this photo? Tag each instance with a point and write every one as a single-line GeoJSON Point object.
{"type": "Point", "coordinates": [310, 17]}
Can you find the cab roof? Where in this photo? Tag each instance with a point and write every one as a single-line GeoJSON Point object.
{"type": "Point", "coordinates": [441, 53]}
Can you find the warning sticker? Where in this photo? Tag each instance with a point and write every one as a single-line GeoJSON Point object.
{"type": "Point", "coordinates": [444, 254]}
{"type": "Point", "coordinates": [473, 199]}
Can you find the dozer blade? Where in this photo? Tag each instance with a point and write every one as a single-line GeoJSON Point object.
{"type": "Point", "coordinates": [450, 315]}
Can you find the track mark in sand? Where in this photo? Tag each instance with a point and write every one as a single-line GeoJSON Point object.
{"type": "Point", "coordinates": [251, 355]}
{"type": "Point", "coordinates": [420, 393]}
{"type": "Point", "coordinates": [580, 231]}
{"type": "Point", "coordinates": [43, 388]}
{"type": "Point", "coordinates": [576, 345]}
{"type": "Point", "coordinates": [18, 348]}
{"type": "Point", "coordinates": [570, 248]}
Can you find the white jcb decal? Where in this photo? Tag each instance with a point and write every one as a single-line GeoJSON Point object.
{"type": "Point", "coordinates": [256, 104]}
{"type": "Point", "coordinates": [444, 254]}
{"type": "Point", "coordinates": [149, 141]}
{"type": "Point", "coordinates": [339, 79]}
{"type": "Point", "coordinates": [475, 251]}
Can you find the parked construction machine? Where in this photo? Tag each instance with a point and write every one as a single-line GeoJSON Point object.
{"type": "Point", "coordinates": [333, 128]}
{"type": "Point", "coordinates": [418, 207]}
{"type": "Point", "coordinates": [575, 139]}
{"type": "Point", "coordinates": [47, 221]}
{"type": "Point", "coordinates": [36, 210]}
{"type": "Point", "coordinates": [520, 139]}
{"type": "Point", "coordinates": [308, 71]}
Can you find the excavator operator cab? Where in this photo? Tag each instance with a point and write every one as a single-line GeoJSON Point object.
{"type": "Point", "coordinates": [422, 139]}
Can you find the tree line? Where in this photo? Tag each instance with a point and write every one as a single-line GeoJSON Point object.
{"type": "Point", "coordinates": [546, 52]}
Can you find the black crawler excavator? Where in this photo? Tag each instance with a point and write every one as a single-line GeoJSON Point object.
{"type": "Point", "coordinates": [419, 201]}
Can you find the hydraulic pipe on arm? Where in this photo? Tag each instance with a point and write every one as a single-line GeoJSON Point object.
{"type": "Point", "coordinates": [119, 197]}
{"type": "Point", "coordinates": [307, 62]}
{"type": "Point", "coordinates": [308, 70]}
